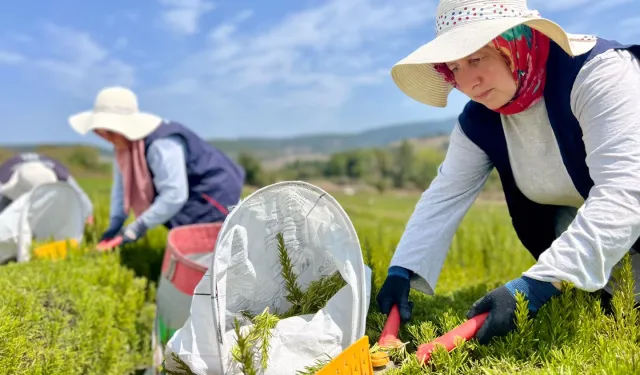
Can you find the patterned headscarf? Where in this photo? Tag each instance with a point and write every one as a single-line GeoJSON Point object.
{"type": "Point", "coordinates": [525, 51]}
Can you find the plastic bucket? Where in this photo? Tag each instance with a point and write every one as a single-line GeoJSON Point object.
{"type": "Point", "coordinates": [186, 260]}
{"type": "Point", "coordinates": [188, 253]}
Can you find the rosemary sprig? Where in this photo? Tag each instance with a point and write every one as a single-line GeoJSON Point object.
{"type": "Point", "coordinates": [243, 353]}
{"type": "Point", "coordinates": [294, 292]}
{"type": "Point", "coordinates": [183, 368]}
{"type": "Point", "coordinates": [317, 366]}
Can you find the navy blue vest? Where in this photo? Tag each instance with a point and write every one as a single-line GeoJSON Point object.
{"type": "Point", "coordinates": [533, 222]}
{"type": "Point", "coordinates": [215, 181]}
{"type": "Point", "coordinates": [8, 167]}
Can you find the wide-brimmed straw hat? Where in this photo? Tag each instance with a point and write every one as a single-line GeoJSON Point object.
{"type": "Point", "coordinates": [462, 28]}
{"type": "Point", "coordinates": [116, 109]}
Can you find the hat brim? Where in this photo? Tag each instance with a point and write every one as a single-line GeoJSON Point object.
{"type": "Point", "coordinates": [417, 78]}
{"type": "Point", "coordinates": [133, 127]}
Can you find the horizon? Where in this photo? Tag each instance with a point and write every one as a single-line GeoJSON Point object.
{"type": "Point", "coordinates": [106, 147]}
{"type": "Point", "coordinates": [233, 71]}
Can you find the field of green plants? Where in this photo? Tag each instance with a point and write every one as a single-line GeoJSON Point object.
{"type": "Point", "coordinates": [92, 313]}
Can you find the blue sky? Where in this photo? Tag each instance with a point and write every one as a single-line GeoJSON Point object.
{"type": "Point", "coordinates": [235, 68]}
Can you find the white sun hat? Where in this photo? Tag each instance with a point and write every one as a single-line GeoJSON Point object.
{"type": "Point", "coordinates": [116, 109]}
{"type": "Point", "coordinates": [26, 177]}
{"type": "Point", "coordinates": [462, 28]}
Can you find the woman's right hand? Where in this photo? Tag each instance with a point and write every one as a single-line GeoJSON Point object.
{"type": "Point", "coordinates": [109, 234]}
{"type": "Point", "coordinates": [115, 226]}
{"type": "Point", "coordinates": [395, 291]}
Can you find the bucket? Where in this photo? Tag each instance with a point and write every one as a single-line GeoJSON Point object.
{"type": "Point", "coordinates": [186, 260]}
{"type": "Point", "coordinates": [55, 249]}
{"type": "Point", "coordinates": [188, 254]}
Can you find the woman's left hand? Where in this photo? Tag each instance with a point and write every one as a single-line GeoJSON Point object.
{"type": "Point", "coordinates": [501, 305]}
{"type": "Point", "coordinates": [133, 232]}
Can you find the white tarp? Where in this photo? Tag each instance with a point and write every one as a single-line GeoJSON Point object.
{"type": "Point", "coordinates": [320, 240]}
{"type": "Point", "coordinates": [52, 210]}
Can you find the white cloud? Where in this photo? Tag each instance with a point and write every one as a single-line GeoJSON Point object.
{"type": "Point", "coordinates": [10, 58]}
{"type": "Point", "coordinates": [183, 16]}
{"type": "Point", "coordinates": [79, 65]}
{"type": "Point", "coordinates": [309, 63]}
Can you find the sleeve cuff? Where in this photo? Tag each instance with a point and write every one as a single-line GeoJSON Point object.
{"type": "Point", "coordinates": [399, 271]}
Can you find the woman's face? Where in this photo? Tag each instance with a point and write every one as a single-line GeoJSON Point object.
{"type": "Point", "coordinates": [116, 139]}
{"type": "Point", "coordinates": [485, 77]}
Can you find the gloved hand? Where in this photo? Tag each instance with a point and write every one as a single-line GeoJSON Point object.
{"type": "Point", "coordinates": [115, 225]}
{"type": "Point", "coordinates": [395, 291]}
{"type": "Point", "coordinates": [501, 305]}
{"type": "Point", "coordinates": [133, 232]}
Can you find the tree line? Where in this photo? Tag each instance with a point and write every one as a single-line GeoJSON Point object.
{"type": "Point", "coordinates": [399, 167]}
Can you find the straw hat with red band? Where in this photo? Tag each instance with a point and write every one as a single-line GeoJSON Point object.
{"type": "Point", "coordinates": [462, 28]}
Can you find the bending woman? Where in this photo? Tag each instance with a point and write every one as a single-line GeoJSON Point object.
{"type": "Point", "coordinates": [163, 172]}
{"type": "Point", "coordinates": [558, 116]}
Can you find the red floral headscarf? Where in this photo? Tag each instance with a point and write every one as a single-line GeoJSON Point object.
{"type": "Point", "coordinates": [525, 51]}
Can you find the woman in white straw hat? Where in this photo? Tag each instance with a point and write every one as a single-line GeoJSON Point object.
{"type": "Point", "coordinates": [558, 116]}
{"type": "Point", "coordinates": [163, 172]}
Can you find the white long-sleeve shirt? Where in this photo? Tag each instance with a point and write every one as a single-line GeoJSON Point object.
{"type": "Point", "coordinates": [605, 99]}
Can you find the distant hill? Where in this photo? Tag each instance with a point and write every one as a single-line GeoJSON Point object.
{"type": "Point", "coordinates": [13, 149]}
{"type": "Point", "coordinates": [314, 145]}
{"type": "Point", "coordinates": [272, 148]}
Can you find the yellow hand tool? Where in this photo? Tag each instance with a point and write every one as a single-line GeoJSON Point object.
{"type": "Point", "coordinates": [357, 359]}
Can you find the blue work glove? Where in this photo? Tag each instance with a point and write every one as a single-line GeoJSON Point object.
{"type": "Point", "coordinates": [115, 225]}
{"type": "Point", "coordinates": [501, 305]}
{"type": "Point", "coordinates": [395, 291]}
{"type": "Point", "coordinates": [133, 232]}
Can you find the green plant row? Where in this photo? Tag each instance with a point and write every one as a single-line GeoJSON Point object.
{"type": "Point", "coordinates": [83, 315]}
{"type": "Point", "coordinates": [92, 314]}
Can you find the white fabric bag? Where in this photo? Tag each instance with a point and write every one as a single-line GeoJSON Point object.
{"type": "Point", "coordinates": [245, 273]}
{"type": "Point", "coordinates": [51, 210]}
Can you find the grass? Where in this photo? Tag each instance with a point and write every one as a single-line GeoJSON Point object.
{"type": "Point", "coordinates": [570, 335]}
